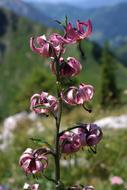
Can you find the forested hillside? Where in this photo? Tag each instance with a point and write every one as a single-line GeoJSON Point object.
{"type": "Point", "coordinates": [23, 72]}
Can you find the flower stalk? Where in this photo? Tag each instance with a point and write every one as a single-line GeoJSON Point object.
{"type": "Point", "coordinates": [71, 139]}
{"type": "Point", "coordinates": [58, 122]}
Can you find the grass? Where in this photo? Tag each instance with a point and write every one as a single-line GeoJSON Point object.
{"type": "Point", "coordinates": [83, 167]}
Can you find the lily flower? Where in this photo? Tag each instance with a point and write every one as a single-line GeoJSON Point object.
{"type": "Point", "coordinates": [43, 103]}
{"type": "Point", "coordinates": [90, 134]}
{"type": "Point", "coordinates": [32, 161]}
{"type": "Point", "coordinates": [43, 48]}
{"type": "Point", "coordinates": [50, 47]}
{"type": "Point", "coordinates": [76, 187]}
{"type": "Point", "coordinates": [31, 186]}
{"type": "Point", "coordinates": [70, 143]}
{"type": "Point", "coordinates": [73, 35]}
{"type": "Point", "coordinates": [78, 95]}
{"type": "Point", "coordinates": [67, 69]}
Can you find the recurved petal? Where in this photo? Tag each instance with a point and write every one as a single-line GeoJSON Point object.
{"type": "Point", "coordinates": [88, 188]}
{"type": "Point", "coordinates": [27, 155]}
{"type": "Point", "coordinates": [38, 167]}
{"type": "Point", "coordinates": [71, 34]}
{"type": "Point", "coordinates": [68, 96]}
{"type": "Point", "coordinates": [43, 95]}
{"type": "Point", "coordinates": [75, 65]}
{"type": "Point", "coordinates": [41, 40]}
{"type": "Point", "coordinates": [45, 162]}
{"type": "Point", "coordinates": [92, 140]}
{"type": "Point", "coordinates": [84, 33]}
{"type": "Point", "coordinates": [31, 186]}
{"type": "Point", "coordinates": [25, 166]}
{"type": "Point", "coordinates": [85, 93]}
{"type": "Point", "coordinates": [57, 39]}
{"type": "Point", "coordinates": [43, 49]}
{"type": "Point", "coordinates": [33, 46]}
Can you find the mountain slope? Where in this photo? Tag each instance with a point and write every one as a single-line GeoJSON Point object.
{"type": "Point", "coordinates": [113, 29]}
{"type": "Point", "coordinates": [85, 4]}
{"type": "Point", "coordinates": [24, 73]}
{"type": "Point", "coordinates": [96, 3]}
{"type": "Point", "coordinates": [16, 59]}
{"type": "Point", "coordinates": [24, 9]}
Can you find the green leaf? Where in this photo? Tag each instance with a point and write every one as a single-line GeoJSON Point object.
{"type": "Point", "coordinates": [40, 142]}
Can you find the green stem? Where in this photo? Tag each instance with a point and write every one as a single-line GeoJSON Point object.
{"type": "Point", "coordinates": [58, 122]}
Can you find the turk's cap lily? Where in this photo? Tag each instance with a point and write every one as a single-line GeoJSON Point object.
{"type": "Point", "coordinates": [43, 48]}
{"type": "Point", "coordinates": [76, 187]}
{"type": "Point", "coordinates": [73, 35]}
{"type": "Point", "coordinates": [57, 40]}
{"type": "Point", "coordinates": [31, 161]}
{"type": "Point", "coordinates": [78, 95]}
{"type": "Point", "coordinates": [69, 68]}
{"type": "Point", "coordinates": [43, 103]}
{"type": "Point", "coordinates": [70, 143]}
{"type": "Point", "coordinates": [31, 186]}
{"type": "Point", "coordinates": [90, 134]}
{"type": "Point", "coordinates": [50, 47]}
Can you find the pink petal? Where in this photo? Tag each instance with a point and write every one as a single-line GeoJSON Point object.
{"type": "Point", "coordinates": [84, 34]}
{"type": "Point", "coordinates": [69, 96]}
{"type": "Point", "coordinates": [71, 35]}
{"type": "Point", "coordinates": [41, 40]}
{"type": "Point", "coordinates": [75, 65]}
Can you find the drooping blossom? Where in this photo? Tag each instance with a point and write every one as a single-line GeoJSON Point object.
{"type": "Point", "coordinates": [43, 103]}
{"type": "Point", "coordinates": [69, 143]}
{"type": "Point", "coordinates": [33, 161]}
{"type": "Point", "coordinates": [31, 186]}
{"type": "Point", "coordinates": [69, 68]}
{"type": "Point", "coordinates": [90, 134]}
{"type": "Point", "coordinates": [78, 95]}
{"type": "Point", "coordinates": [50, 47]}
{"type": "Point", "coordinates": [58, 42]}
{"type": "Point", "coordinates": [116, 180]}
{"type": "Point", "coordinates": [73, 35]}
{"type": "Point", "coordinates": [76, 187]}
